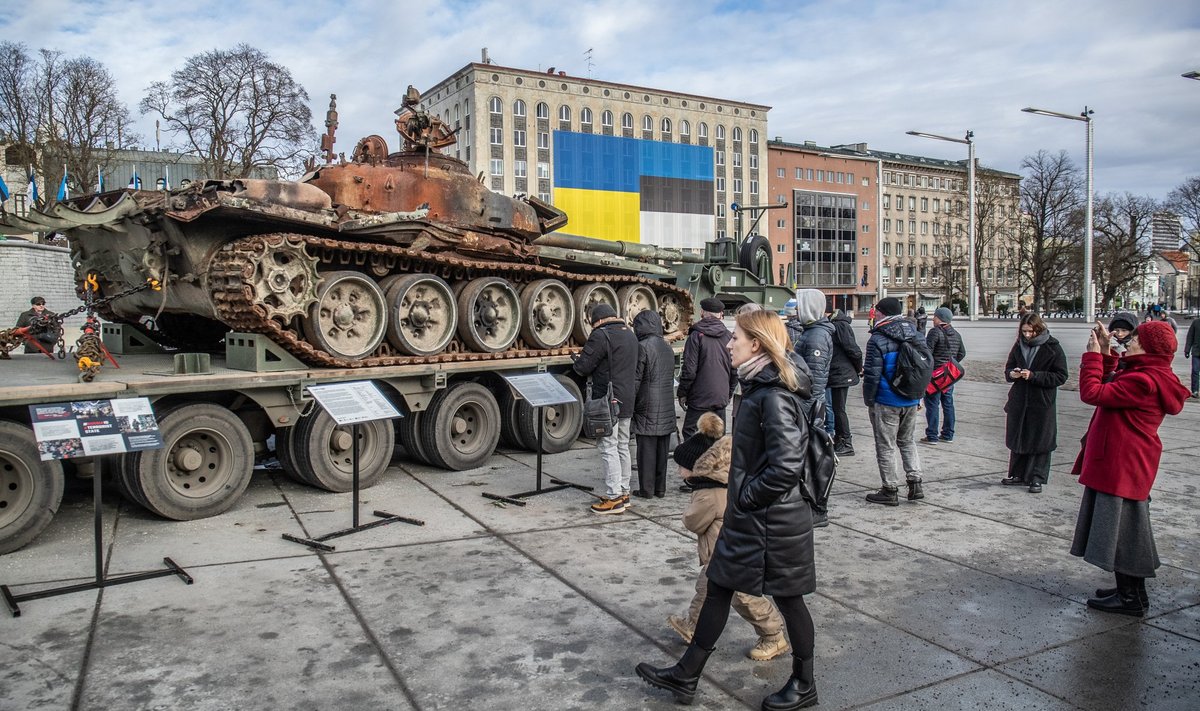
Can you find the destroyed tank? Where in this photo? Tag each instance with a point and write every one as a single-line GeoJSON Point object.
{"type": "Point", "coordinates": [382, 259]}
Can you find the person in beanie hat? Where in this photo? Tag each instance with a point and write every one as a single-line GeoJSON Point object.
{"type": "Point", "coordinates": [1121, 328]}
{"type": "Point", "coordinates": [1113, 531]}
{"type": "Point", "coordinates": [1036, 367]}
{"type": "Point", "coordinates": [707, 378]}
{"type": "Point", "coordinates": [946, 345]}
{"type": "Point", "coordinates": [611, 356]}
{"type": "Point", "coordinates": [893, 416]}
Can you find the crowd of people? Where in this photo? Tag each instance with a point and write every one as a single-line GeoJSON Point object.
{"type": "Point", "coordinates": [776, 379]}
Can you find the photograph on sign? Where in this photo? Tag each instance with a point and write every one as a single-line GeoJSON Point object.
{"type": "Point", "coordinates": [540, 389]}
{"type": "Point", "coordinates": [90, 428]}
{"type": "Point", "coordinates": [358, 401]}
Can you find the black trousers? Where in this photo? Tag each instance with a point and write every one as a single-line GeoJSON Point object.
{"type": "Point", "coordinates": [841, 423]}
{"type": "Point", "coordinates": [652, 463]}
{"type": "Point", "coordinates": [693, 416]}
{"type": "Point", "coordinates": [1033, 468]}
{"type": "Point", "coordinates": [715, 613]}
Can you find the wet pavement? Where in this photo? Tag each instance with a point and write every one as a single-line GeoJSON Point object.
{"type": "Point", "coordinates": [967, 599]}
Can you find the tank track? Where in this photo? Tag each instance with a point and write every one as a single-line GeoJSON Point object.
{"type": "Point", "coordinates": [232, 294]}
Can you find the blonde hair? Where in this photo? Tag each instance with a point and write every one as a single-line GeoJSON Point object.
{"type": "Point", "coordinates": [772, 335]}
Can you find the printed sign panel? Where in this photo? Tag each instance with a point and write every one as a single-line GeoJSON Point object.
{"type": "Point", "coordinates": [359, 401]}
{"type": "Point", "coordinates": [540, 389]}
{"type": "Point", "coordinates": [91, 428]}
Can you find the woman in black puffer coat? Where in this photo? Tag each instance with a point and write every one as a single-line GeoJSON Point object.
{"type": "Point", "coordinates": [654, 404]}
{"type": "Point", "coordinates": [766, 545]}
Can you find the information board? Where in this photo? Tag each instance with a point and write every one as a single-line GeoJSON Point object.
{"type": "Point", "coordinates": [540, 389]}
{"type": "Point", "coordinates": [90, 428]}
{"type": "Point", "coordinates": [358, 401]}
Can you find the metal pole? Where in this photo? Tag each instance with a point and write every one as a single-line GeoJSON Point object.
{"type": "Point", "coordinates": [354, 454]}
{"type": "Point", "coordinates": [99, 523]}
{"type": "Point", "coordinates": [973, 289]}
{"type": "Point", "coordinates": [1089, 310]}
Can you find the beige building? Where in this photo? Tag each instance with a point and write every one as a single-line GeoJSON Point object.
{"type": "Point", "coordinates": [623, 161]}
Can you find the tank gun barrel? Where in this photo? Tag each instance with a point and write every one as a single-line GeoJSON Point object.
{"type": "Point", "coordinates": [617, 247]}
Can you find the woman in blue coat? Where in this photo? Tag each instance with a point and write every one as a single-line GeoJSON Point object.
{"type": "Point", "coordinates": [766, 544]}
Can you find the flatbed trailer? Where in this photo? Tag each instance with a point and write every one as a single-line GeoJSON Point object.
{"type": "Point", "coordinates": [216, 420]}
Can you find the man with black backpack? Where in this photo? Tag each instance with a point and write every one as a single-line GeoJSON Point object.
{"type": "Point", "coordinates": [896, 369]}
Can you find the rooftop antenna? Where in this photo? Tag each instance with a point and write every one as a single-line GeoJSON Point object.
{"type": "Point", "coordinates": [588, 56]}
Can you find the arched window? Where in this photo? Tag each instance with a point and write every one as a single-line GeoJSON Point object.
{"type": "Point", "coordinates": [737, 133]}
{"type": "Point", "coordinates": [703, 130]}
{"type": "Point", "coordinates": [606, 119]}
{"type": "Point", "coordinates": [647, 123]}
{"type": "Point", "coordinates": [456, 112]}
{"type": "Point", "coordinates": [585, 115]}
{"type": "Point", "coordinates": [627, 121]}
{"type": "Point", "coordinates": [754, 136]}
{"type": "Point", "coordinates": [518, 108]}
{"type": "Point", "coordinates": [564, 113]}
{"type": "Point", "coordinates": [495, 105]}
{"type": "Point", "coordinates": [685, 128]}
{"type": "Point", "coordinates": [666, 125]}
{"type": "Point", "coordinates": [720, 132]}
{"type": "Point", "coordinates": [543, 111]}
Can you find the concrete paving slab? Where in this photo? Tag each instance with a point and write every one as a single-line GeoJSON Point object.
{"type": "Point", "coordinates": [43, 652]}
{"type": "Point", "coordinates": [986, 689]}
{"type": "Point", "coordinates": [1185, 622]}
{"type": "Point", "coordinates": [65, 550]}
{"type": "Point", "coordinates": [1132, 666]}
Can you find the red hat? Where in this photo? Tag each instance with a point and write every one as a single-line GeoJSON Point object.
{"type": "Point", "coordinates": [1157, 337]}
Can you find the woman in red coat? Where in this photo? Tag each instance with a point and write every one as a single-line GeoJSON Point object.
{"type": "Point", "coordinates": [1120, 456]}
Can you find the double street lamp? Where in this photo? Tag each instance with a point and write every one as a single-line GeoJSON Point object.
{"type": "Point", "coordinates": [972, 289]}
{"type": "Point", "coordinates": [1089, 306]}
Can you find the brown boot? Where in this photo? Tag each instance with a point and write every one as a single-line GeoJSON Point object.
{"type": "Point", "coordinates": [769, 647]}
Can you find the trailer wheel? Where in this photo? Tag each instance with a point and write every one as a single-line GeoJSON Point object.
{"type": "Point", "coordinates": [507, 401]}
{"type": "Point", "coordinates": [286, 456]}
{"type": "Point", "coordinates": [462, 426]}
{"type": "Point", "coordinates": [560, 423]}
{"type": "Point", "coordinates": [324, 451]}
{"type": "Point", "coordinates": [30, 489]}
{"type": "Point", "coordinates": [408, 429]}
{"type": "Point", "coordinates": [205, 464]}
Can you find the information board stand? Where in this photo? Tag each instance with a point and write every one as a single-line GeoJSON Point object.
{"type": "Point", "coordinates": [94, 428]}
{"type": "Point", "coordinates": [539, 390]}
{"type": "Point", "coordinates": [351, 404]}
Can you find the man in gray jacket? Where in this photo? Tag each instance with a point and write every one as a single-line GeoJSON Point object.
{"type": "Point", "coordinates": [815, 344]}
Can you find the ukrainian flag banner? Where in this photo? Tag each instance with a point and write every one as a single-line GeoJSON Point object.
{"type": "Point", "coordinates": [618, 188]}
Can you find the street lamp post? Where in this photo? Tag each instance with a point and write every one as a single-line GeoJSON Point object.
{"type": "Point", "coordinates": [1089, 296]}
{"type": "Point", "coordinates": [973, 287]}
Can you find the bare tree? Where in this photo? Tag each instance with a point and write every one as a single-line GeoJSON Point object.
{"type": "Point", "coordinates": [1184, 201]}
{"type": "Point", "coordinates": [19, 107]}
{"type": "Point", "coordinates": [237, 110]}
{"type": "Point", "coordinates": [1051, 199]}
{"type": "Point", "coordinates": [1121, 231]}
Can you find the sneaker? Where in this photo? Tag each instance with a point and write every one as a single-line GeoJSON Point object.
{"type": "Point", "coordinates": [609, 506]}
{"type": "Point", "coordinates": [944, 438]}
{"type": "Point", "coordinates": [769, 648]}
{"type": "Point", "coordinates": [821, 519]}
{"type": "Point", "coordinates": [684, 628]}
{"type": "Point", "coordinates": [625, 499]}
{"type": "Point", "coordinates": [845, 449]}
{"type": "Point", "coordinates": [928, 440]}
{"type": "Point", "coordinates": [914, 491]}
{"type": "Point", "coordinates": [885, 496]}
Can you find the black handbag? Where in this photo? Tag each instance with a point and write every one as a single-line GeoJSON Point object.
{"type": "Point", "coordinates": [820, 461]}
{"type": "Point", "coordinates": [600, 414]}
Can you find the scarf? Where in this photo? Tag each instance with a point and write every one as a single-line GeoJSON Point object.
{"type": "Point", "coordinates": [746, 371]}
{"type": "Point", "coordinates": [1029, 348]}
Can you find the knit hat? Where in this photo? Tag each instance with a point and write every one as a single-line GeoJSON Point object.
{"type": "Point", "coordinates": [1157, 337]}
{"type": "Point", "coordinates": [1123, 319]}
{"type": "Point", "coordinates": [709, 429]}
{"type": "Point", "coordinates": [602, 311]}
{"type": "Point", "coordinates": [713, 305]}
{"type": "Point", "coordinates": [890, 306]}
{"type": "Point", "coordinates": [943, 314]}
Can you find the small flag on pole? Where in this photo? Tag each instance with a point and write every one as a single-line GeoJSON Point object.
{"type": "Point", "coordinates": [3, 190]}
{"type": "Point", "coordinates": [167, 177]}
{"type": "Point", "coordinates": [135, 183]}
{"type": "Point", "coordinates": [32, 190]}
{"type": "Point", "coordinates": [63, 192]}
{"type": "Point", "coordinates": [99, 180]}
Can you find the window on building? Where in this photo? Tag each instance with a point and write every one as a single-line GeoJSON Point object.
{"type": "Point", "coordinates": [520, 168]}
{"type": "Point", "coordinates": [912, 227]}
{"type": "Point", "coordinates": [497, 166]}
{"type": "Point", "coordinates": [518, 108]}
{"type": "Point", "coordinates": [887, 177]}
{"type": "Point", "coordinates": [841, 177]}
{"type": "Point", "coordinates": [685, 128]}
{"type": "Point", "coordinates": [543, 171]}
{"type": "Point", "coordinates": [866, 182]}
{"type": "Point", "coordinates": [519, 138]}
{"type": "Point", "coordinates": [780, 248]}
{"type": "Point", "coordinates": [543, 110]}
{"type": "Point", "coordinates": [627, 121]}
{"type": "Point", "coordinates": [665, 125]}
{"type": "Point", "coordinates": [754, 136]}
{"type": "Point", "coordinates": [937, 229]}
{"type": "Point", "coordinates": [866, 205]}
{"type": "Point", "coordinates": [564, 113]}
{"type": "Point", "coordinates": [866, 228]}
{"type": "Point", "coordinates": [809, 173]}
{"type": "Point", "coordinates": [497, 136]}
{"type": "Point", "coordinates": [937, 205]}
{"type": "Point", "coordinates": [912, 203]}
{"type": "Point", "coordinates": [850, 178]}
{"type": "Point", "coordinates": [820, 176]}
{"type": "Point", "coordinates": [585, 115]}
{"type": "Point", "coordinates": [924, 228]}
{"type": "Point", "coordinates": [737, 160]}
{"type": "Point", "coordinates": [781, 223]}
{"type": "Point", "coordinates": [702, 130]}
{"type": "Point", "coordinates": [545, 197]}
{"type": "Point", "coordinates": [737, 133]}
{"type": "Point", "coordinates": [907, 179]}
{"type": "Point", "coordinates": [753, 161]}
{"type": "Point", "coordinates": [886, 246]}
{"type": "Point", "coordinates": [720, 157]}
{"type": "Point", "coordinates": [720, 208]}
{"type": "Point", "coordinates": [799, 174]}
{"type": "Point", "coordinates": [924, 204]}
{"type": "Point", "coordinates": [924, 250]}
{"type": "Point", "coordinates": [737, 186]}
{"type": "Point", "coordinates": [779, 199]}
{"type": "Point", "coordinates": [606, 119]}
{"type": "Point", "coordinates": [647, 123]}
{"type": "Point", "coordinates": [543, 139]}
{"type": "Point", "coordinates": [720, 185]}
{"type": "Point", "coordinates": [912, 250]}
{"type": "Point", "coordinates": [899, 227]}
{"type": "Point", "coordinates": [899, 202]}
{"type": "Point", "coordinates": [887, 225]}
{"type": "Point", "coordinates": [495, 105]}
{"type": "Point", "coordinates": [753, 187]}
{"type": "Point", "coordinates": [720, 132]}
{"type": "Point", "coordinates": [887, 202]}
{"type": "Point", "coordinates": [866, 251]}
{"type": "Point", "coordinates": [779, 172]}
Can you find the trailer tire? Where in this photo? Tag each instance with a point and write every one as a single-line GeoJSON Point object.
{"type": "Point", "coordinates": [30, 489]}
{"type": "Point", "coordinates": [286, 456]}
{"type": "Point", "coordinates": [561, 423]}
{"type": "Point", "coordinates": [408, 430]}
{"type": "Point", "coordinates": [324, 451]}
{"type": "Point", "coordinates": [205, 464]}
{"type": "Point", "coordinates": [510, 436]}
{"type": "Point", "coordinates": [461, 427]}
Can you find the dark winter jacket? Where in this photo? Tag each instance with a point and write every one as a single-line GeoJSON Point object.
{"type": "Point", "coordinates": [1121, 449]}
{"type": "Point", "coordinates": [654, 380]}
{"type": "Point", "coordinates": [1191, 342]}
{"type": "Point", "coordinates": [795, 329]}
{"type": "Point", "coordinates": [946, 344]}
{"type": "Point", "coordinates": [707, 378]}
{"type": "Point", "coordinates": [816, 348]}
{"type": "Point", "coordinates": [879, 363]}
{"type": "Point", "coordinates": [766, 544]}
{"type": "Point", "coordinates": [48, 338]}
{"type": "Point", "coordinates": [594, 361]}
{"type": "Point", "coordinates": [1032, 426]}
{"type": "Point", "coordinates": [922, 320]}
{"type": "Point", "coordinates": [847, 360]}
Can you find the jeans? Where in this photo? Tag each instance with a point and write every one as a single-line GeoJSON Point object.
{"type": "Point", "coordinates": [830, 426]}
{"type": "Point", "coordinates": [614, 452]}
{"type": "Point", "coordinates": [946, 400]}
{"type": "Point", "coordinates": [893, 427]}
{"type": "Point", "coordinates": [1195, 372]}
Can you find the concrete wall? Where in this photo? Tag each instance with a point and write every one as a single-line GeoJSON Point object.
{"type": "Point", "coordinates": [28, 270]}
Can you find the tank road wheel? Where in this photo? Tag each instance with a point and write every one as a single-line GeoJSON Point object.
{"type": "Point", "coordinates": [490, 314]}
{"type": "Point", "coordinates": [349, 318]}
{"type": "Point", "coordinates": [635, 299]}
{"type": "Point", "coordinates": [560, 423]}
{"type": "Point", "coordinates": [285, 278]}
{"type": "Point", "coordinates": [461, 427]}
{"type": "Point", "coordinates": [422, 314]}
{"type": "Point", "coordinates": [323, 451]}
{"type": "Point", "coordinates": [674, 315]}
{"type": "Point", "coordinates": [30, 489]}
{"type": "Point", "coordinates": [548, 313]}
{"type": "Point", "coordinates": [204, 466]}
{"type": "Point", "coordinates": [587, 296]}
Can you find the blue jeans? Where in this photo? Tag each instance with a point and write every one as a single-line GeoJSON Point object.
{"type": "Point", "coordinates": [829, 424]}
{"type": "Point", "coordinates": [946, 400]}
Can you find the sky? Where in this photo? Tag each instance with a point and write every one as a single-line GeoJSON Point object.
{"type": "Point", "coordinates": [834, 71]}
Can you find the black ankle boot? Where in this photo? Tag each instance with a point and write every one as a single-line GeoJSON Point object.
{"type": "Point", "coordinates": [799, 692]}
{"type": "Point", "coordinates": [680, 679]}
{"type": "Point", "coordinates": [914, 490]}
{"type": "Point", "coordinates": [1125, 599]}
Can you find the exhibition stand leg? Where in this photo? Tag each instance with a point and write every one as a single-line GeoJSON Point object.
{"type": "Point", "coordinates": [385, 518]}
{"type": "Point", "coordinates": [559, 485]}
{"type": "Point", "coordinates": [13, 601]}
